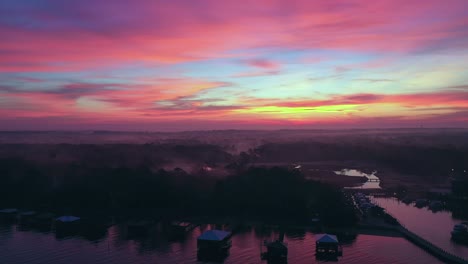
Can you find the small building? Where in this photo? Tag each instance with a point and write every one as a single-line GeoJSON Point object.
{"type": "Point", "coordinates": [216, 240]}
{"type": "Point", "coordinates": [277, 251]}
{"type": "Point", "coordinates": [26, 217]}
{"type": "Point", "coordinates": [67, 225]}
{"type": "Point", "coordinates": [27, 213]}
{"type": "Point", "coordinates": [138, 227]}
{"type": "Point", "coordinates": [42, 219]}
{"type": "Point", "coordinates": [8, 214]}
{"type": "Point", "coordinates": [9, 211]}
{"type": "Point", "coordinates": [67, 219]}
{"type": "Point", "coordinates": [327, 245]}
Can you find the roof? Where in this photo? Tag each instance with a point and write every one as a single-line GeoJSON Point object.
{"type": "Point", "coordinates": [181, 224]}
{"type": "Point", "coordinates": [9, 210]}
{"type": "Point", "coordinates": [214, 235]}
{"type": "Point", "coordinates": [25, 213]}
{"type": "Point", "coordinates": [277, 244]}
{"type": "Point", "coordinates": [67, 218]}
{"type": "Point", "coordinates": [45, 215]}
{"type": "Point", "coordinates": [325, 238]}
{"type": "Point", "coordinates": [440, 190]}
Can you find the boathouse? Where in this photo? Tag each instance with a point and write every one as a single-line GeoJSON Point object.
{"type": "Point", "coordinates": [326, 244]}
{"type": "Point", "coordinates": [138, 227]}
{"type": "Point", "coordinates": [26, 217]}
{"type": "Point", "coordinates": [42, 219]}
{"type": "Point", "coordinates": [67, 219]}
{"type": "Point", "coordinates": [67, 225]}
{"type": "Point", "coordinates": [8, 214]}
{"type": "Point", "coordinates": [216, 240]}
{"type": "Point", "coordinates": [277, 251]}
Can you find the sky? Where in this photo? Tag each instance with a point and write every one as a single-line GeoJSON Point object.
{"type": "Point", "coordinates": [169, 65]}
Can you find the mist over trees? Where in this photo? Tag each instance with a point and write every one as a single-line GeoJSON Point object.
{"type": "Point", "coordinates": [193, 178]}
{"type": "Point", "coordinates": [264, 194]}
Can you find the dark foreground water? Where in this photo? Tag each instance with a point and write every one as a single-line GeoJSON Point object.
{"type": "Point", "coordinates": [114, 246]}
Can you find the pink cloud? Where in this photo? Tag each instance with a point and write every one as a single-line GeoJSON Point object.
{"type": "Point", "coordinates": [255, 74]}
{"type": "Point", "coordinates": [98, 34]}
{"type": "Point", "coordinates": [263, 64]}
{"type": "Point", "coordinates": [87, 35]}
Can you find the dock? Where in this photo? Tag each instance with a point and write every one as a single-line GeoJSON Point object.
{"type": "Point", "coordinates": [430, 248]}
{"type": "Point", "coordinates": [373, 223]}
{"type": "Point", "coordinates": [373, 180]}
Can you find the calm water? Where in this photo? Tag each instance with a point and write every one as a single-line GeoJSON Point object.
{"type": "Point", "coordinates": [17, 246]}
{"type": "Point", "coordinates": [435, 227]}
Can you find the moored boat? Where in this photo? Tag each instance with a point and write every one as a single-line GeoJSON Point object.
{"type": "Point", "coordinates": [460, 233]}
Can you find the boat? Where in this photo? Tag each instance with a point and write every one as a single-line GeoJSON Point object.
{"type": "Point", "coordinates": [178, 228]}
{"type": "Point", "coordinates": [460, 233]}
{"type": "Point", "coordinates": [407, 200]}
{"type": "Point", "coordinates": [436, 206]}
{"type": "Point", "coordinates": [420, 203]}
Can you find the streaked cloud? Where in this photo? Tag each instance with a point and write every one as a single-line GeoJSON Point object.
{"type": "Point", "coordinates": [279, 63]}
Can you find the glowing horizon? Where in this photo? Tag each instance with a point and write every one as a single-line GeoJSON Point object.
{"type": "Point", "coordinates": [181, 65]}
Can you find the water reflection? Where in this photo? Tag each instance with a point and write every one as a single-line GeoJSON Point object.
{"type": "Point", "coordinates": [114, 246]}
{"type": "Point", "coordinates": [373, 182]}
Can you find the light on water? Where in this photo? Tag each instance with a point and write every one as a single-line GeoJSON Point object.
{"type": "Point", "coordinates": [373, 182]}
{"type": "Point", "coordinates": [44, 247]}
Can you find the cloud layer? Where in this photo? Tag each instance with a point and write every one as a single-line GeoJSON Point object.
{"type": "Point", "coordinates": [266, 63]}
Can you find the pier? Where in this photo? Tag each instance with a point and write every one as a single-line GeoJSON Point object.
{"type": "Point", "coordinates": [374, 223]}
{"type": "Point", "coordinates": [373, 180]}
{"type": "Point", "coordinates": [430, 248]}
{"type": "Point", "coordinates": [381, 223]}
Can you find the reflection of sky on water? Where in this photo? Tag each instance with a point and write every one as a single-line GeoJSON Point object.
{"type": "Point", "coordinates": [20, 247]}
{"type": "Point", "coordinates": [358, 173]}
